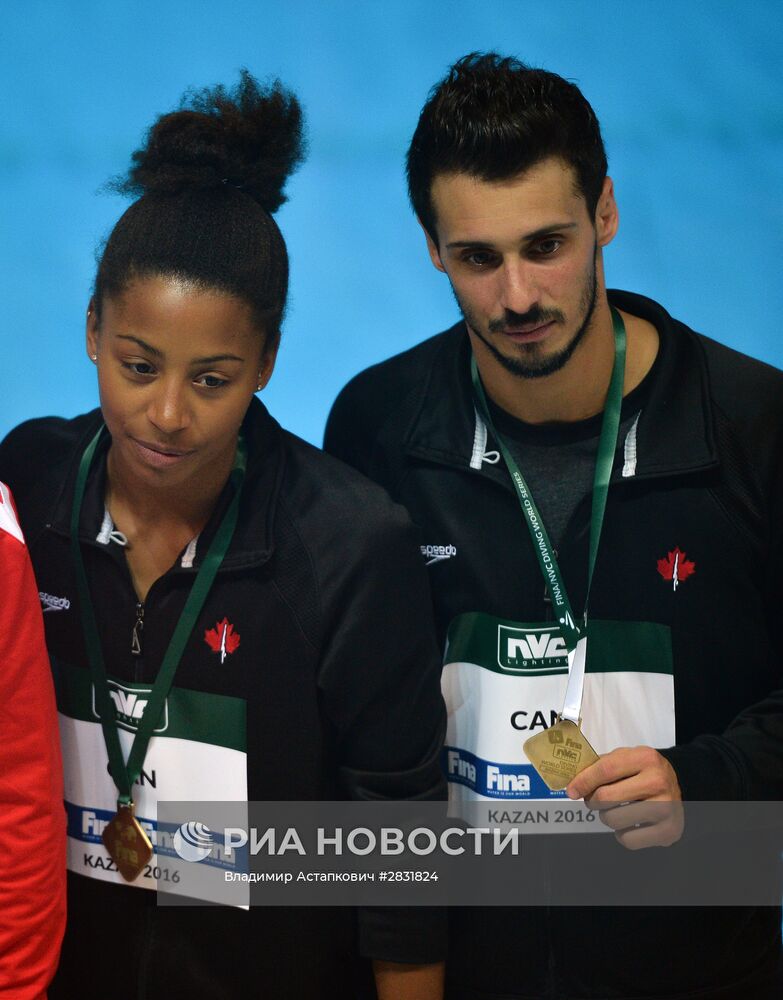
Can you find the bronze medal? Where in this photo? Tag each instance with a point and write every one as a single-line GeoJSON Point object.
{"type": "Point", "coordinates": [559, 753]}
{"type": "Point", "coordinates": [127, 843]}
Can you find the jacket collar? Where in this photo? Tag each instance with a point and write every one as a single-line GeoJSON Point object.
{"type": "Point", "coordinates": [253, 540]}
{"type": "Point", "coordinates": [674, 433]}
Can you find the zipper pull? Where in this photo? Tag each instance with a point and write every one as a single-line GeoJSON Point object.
{"type": "Point", "coordinates": [137, 630]}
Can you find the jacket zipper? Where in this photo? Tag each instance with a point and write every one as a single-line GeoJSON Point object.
{"type": "Point", "coordinates": [138, 628]}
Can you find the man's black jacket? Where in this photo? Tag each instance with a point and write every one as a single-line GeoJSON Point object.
{"type": "Point", "coordinates": [701, 470]}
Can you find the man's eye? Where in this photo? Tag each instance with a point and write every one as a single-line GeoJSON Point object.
{"type": "Point", "coordinates": [211, 381]}
{"type": "Point", "coordinates": [478, 258]}
{"type": "Point", "coordinates": [545, 248]}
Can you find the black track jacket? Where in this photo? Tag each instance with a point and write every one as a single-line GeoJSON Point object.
{"type": "Point", "coordinates": [340, 700]}
{"type": "Point", "coordinates": [703, 471]}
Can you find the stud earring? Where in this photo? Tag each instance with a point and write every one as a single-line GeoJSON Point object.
{"type": "Point", "coordinates": [94, 357]}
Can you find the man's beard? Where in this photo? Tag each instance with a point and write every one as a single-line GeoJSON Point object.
{"type": "Point", "coordinates": [530, 366]}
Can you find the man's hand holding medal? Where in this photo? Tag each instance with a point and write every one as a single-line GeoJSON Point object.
{"type": "Point", "coordinates": [635, 792]}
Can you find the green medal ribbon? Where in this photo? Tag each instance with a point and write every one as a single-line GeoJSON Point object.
{"type": "Point", "coordinates": [125, 775]}
{"type": "Point", "coordinates": [607, 444]}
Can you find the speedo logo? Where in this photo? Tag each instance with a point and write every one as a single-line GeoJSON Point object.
{"type": "Point", "coordinates": [51, 603]}
{"type": "Point", "coordinates": [437, 553]}
{"type": "Point", "coordinates": [129, 704]}
{"type": "Point", "coordinates": [531, 650]}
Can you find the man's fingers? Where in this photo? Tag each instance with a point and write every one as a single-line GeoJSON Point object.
{"type": "Point", "coordinates": [593, 777]}
{"type": "Point", "coordinates": [624, 775]}
{"type": "Point", "coordinates": [634, 814]}
{"type": "Point", "coordinates": [627, 816]}
{"type": "Point", "coordinates": [645, 785]}
{"type": "Point", "coordinates": [607, 769]}
{"type": "Point", "coordinates": [660, 834]}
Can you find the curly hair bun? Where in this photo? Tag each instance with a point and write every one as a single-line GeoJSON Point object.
{"type": "Point", "coordinates": [250, 138]}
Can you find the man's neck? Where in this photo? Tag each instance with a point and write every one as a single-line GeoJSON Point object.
{"type": "Point", "coordinates": [578, 390]}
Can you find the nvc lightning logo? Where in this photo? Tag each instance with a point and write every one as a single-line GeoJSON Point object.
{"type": "Point", "coordinates": [531, 649]}
{"type": "Point", "coordinates": [193, 841]}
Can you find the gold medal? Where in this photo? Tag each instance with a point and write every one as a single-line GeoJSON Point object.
{"type": "Point", "coordinates": [127, 843]}
{"type": "Point", "coordinates": [559, 753]}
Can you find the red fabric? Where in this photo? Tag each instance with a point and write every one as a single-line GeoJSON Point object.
{"type": "Point", "coordinates": [32, 817]}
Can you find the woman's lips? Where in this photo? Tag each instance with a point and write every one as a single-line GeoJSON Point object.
{"type": "Point", "coordinates": [159, 455]}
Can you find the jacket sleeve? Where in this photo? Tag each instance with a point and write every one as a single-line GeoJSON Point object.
{"type": "Point", "coordinates": [745, 762]}
{"type": "Point", "coordinates": [32, 817]}
{"type": "Point", "coordinates": [380, 682]}
{"type": "Point", "coordinates": [380, 670]}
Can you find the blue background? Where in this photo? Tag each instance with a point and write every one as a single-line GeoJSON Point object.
{"type": "Point", "coordinates": [689, 95]}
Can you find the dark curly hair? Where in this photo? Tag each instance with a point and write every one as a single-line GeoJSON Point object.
{"type": "Point", "coordinates": [494, 117]}
{"type": "Point", "coordinates": [206, 181]}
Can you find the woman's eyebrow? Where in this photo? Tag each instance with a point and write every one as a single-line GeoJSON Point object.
{"type": "Point", "coordinates": [142, 344]}
{"type": "Point", "coordinates": [156, 352]}
{"type": "Point", "coordinates": [214, 358]}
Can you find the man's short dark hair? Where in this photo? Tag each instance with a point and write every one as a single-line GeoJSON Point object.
{"type": "Point", "coordinates": [494, 117]}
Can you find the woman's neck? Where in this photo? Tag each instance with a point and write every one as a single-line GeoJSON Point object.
{"type": "Point", "coordinates": [187, 504]}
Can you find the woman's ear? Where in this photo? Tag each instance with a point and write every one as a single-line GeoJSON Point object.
{"type": "Point", "coordinates": [92, 332]}
{"type": "Point", "coordinates": [267, 364]}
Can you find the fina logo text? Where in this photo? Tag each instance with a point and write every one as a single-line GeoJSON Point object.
{"type": "Point", "coordinates": [531, 649]}
{"type": "Point", "coordinates": [497, 780]}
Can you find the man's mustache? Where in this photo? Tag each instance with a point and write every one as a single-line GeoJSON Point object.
{"type": "Point", "coordinates": [535, 316]}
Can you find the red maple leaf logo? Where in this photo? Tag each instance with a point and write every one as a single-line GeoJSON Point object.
{"type": "Point", "coordinates": [222, 639]}
{"type": "Point", "coordinates": [676, 567]}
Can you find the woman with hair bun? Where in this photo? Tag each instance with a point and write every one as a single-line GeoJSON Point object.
{"type": "Point", "coordinates": [217, 585]}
